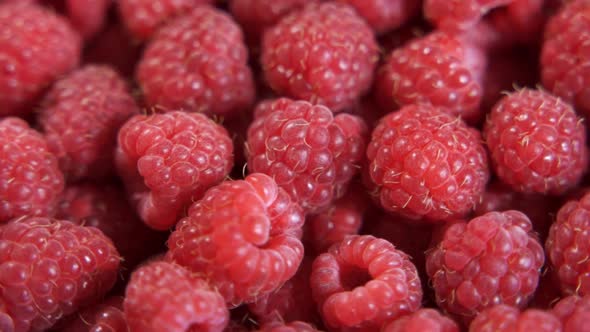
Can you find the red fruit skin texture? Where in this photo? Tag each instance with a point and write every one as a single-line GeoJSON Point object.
{"type": "Point", "coordinates": [163, 296]}
{"type": "Point", "coordinates": [504, 318]}
{"type": "Point", "coordinates": [568, 245]}
{"type": "Point", "coordinates": [574, 313]}
{"type": "Point", "coordinates": [440, 69]}
{"type": "Point", "coordinates": [107, 316]}
{"type": "Point", "coordinates": [386, 15]}
{"type": "Point", "coordinates": [457, 15]}
{"type": "Point", "coordinates": [362, 282]}
{"type": "Point", "coordinates": [309, 152]}
{"type": "Point", "coordinates": [198, 63]}
{"type": "Point", "coordinates": [296, 326]}
{"type": "Point", "coordinates": [143, 17]}
{"type": "Point", "coordinates": [36, 47]}
{"type": "Point", "coordinates": [50, 268]}
{"type": "Point", "coordinates": [425, 319]}
{"type": "Point", "coordinates": [565, 69]}
{"type": "Point", "coordinates": [424, 163]}
{"type": "Point", "coordinates": [30, 179]}
{"type": "Point", "coordinates": [537, 143]}
{"type": "Point", "coordinates": [492, 259]}
{"type": "Point", "coordinates": [81, 116]}
{"type": "Point", "coordinates": [169, 160]}
{"type": "Point", "coordinates": [243, 237]}
{"type": "Point", "coordinates": [325, 54]}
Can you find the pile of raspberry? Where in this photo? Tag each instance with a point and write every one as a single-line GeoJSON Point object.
{"type": "Point", "coordinates": [294, 165]}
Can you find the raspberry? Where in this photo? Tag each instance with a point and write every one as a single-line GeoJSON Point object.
{"type": "Point", "coordinates": [364, 281]}
{"type": "Point", "coordinates": [537, 142]}
{"type": "Point", "coordinates": [568, 245]}
{"type": "Point", "coordinates": [88, 17]}
{"type": "Point", "coordinates": [426, 163]}
{"type": "Point", "coordinates": [310, 153]}
{"type": "Point", "coordinates": [492, 259]}
{"type": "Point", "coordinates": [106, 316]}
{"type": "Point", "coordinates": [324, 54]}
{"type": "Point", "coordinates": [439, 69]}
{"type": "Point", "coordinates": [574, 313]}
{"type": "Point", "coordinates": [169, 160]}
{"type": "Point", "coordinates": [422, 320]}
{"type": "Point", "coordinates": [143, 17]}
{"type": "Point", "coordinates": [105, 207]}
{"type": "Point", "coordinates": [459, 14]}
{"type": "Point", "coordinates": [165, 297]}
{"type": "Point", "coordinates": [385, 15]}
{"type": "Point", "coordinates": [198, 63]}
{"type": "Point", "coordinates": [36, 47]}
{"type": "Point", "coordinates": [48, 269]}
{"type": "Point", "coordinates": [290, 327]}
{"type": "Point", "coordinates": [81, 116]}
{"type": "Point", "coordinates": [30, 180]}
{"type": "Point", "coordinates": [504, 318]}
{"type": "Point", "coordinates": [242, 236]}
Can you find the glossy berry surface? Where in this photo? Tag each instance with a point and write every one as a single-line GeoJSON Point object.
{"type": "Point", "coordinates": [504, 318]}
{"type": "Point", "coordinates": [425, 319]}
{"type": "Point", "coordinates": [573, 312]}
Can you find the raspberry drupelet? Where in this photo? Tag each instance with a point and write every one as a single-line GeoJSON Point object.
{"type": "Point", "coordinates": [424, 163]}
{"type": "Point", "coordinates": [198, 63]}
{"type": "Point", "coordinates": [308, 151]}
{"type": "Point", "coordinates": [505, 318]}
{"type": "Point", "coordinates": [296, 326]}
{"type": "Point", "coordinates": [30, 179]}
{"type": "Point", "coordinates": [243, 237]}
{"type": "Point", "coordinates": [425, 319]}
{"type": "Point", "coordinates": [440, 69]}
{"type": "Point", "coordinates": [107, 316]}
{"type": "Point", "coordinates": [362, 282]}
{"type": "Point", "coordinates": [49, 269]}
{"type": "Point", "coordinates": [573, 312]}
{"type": "Point", "coordinates": [537, 142]}
{"type": "Point", "coordinates": [169, 160]}
{"type": "Point", "coordinates": [324, 53]}
{"type": "Point", "coordinates": [163, 296]}
{"type": "Point", "coordinates": [36, 47]}
{"type": "Point", "coordinates": [385, 15]}
{"type": "Point", "coordinates": [457, 15]}
{"type": "Point", "coordinates": [81, 116]}
{"type": "Point", "coordinates": [492, 259]}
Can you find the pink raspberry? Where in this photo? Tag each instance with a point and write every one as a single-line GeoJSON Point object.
{"type": "Point", "coordinates": [169, 160]}
{"type": "Point", "coordinates": [310, 153]}
{"type": "Point", "coordinates": [537, 142]}
{"type": "Point", "coordinates": [296, 326]}
{"type": "Point", "coordinates": [324, 54]}
{"type": "Point", "coordinates": [30, 179]}
{"type": "Point", "coordinates": [81, 116]}
{"type": "Point", "coordinates": [48, 269]}
{"type": "Point", "coordinates": [573, 312]}
{"type": "Point", "coordinates": [190, 65]}
{"type": "Point", "coordinates": [363, 282]}
{"type": "Point", "coordinates": [36, 47]}
{"type": "Point", "coordinates": [424, 163]}
{"type": "Point", "coordinates": [243, 236]}
{"type": "Point", "coordinates": [162, 296]}
{"type": "Point", "coordinates": [568, 246]}
{"type": "Point", "coordinates": [422, 320]}
{"type": "Point", "coordinates": [439, 69]}
{"type": "Point", "coordinates": [107, 316]}
{"type": "Point", "coordinates": [459, 14]}
{"type": "Point", "coordinates": [492, 259]}
{"type": "Point", "coordinates": [504, 318]}
{"type": "Point", "coordinates": [385, 15]}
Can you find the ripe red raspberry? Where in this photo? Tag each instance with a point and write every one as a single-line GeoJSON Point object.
{"type": "Point", "coordinates": [424, 163]}
{"type": "Point", "coordinates": [30, 179]}
{"type": "Point", "coordinates": [504, 318]}
{"type": "Point", "coordinates": [107, 316]}
{"type": "Point", "coordinates": [459, 14]}
{"type": "Point", "coordinates": [440, 69]}
{"type": "Point", "coordinates": [36, 47]}
{"type": "Point", "coordinates": [537, 142]}
{"type": "Point", "coordinates": [105, 207]}
{"type": "Point", "coordinates": [143, 17]}
{"type": "Point", "coordinates": [324, 54]}
{"type": "Point", "coordinates": [296, 326]}
{"type": "Point", "coordinates": [385, 15]}
{"type": "Point", "coordinates": [81, 116]}
{"type": "Point", "coordinates": [568, 246]}
{"type": "Point", "coordinates": [574, 313]}
{"type": "Point", "coordinates": [162, 296]}
{"type": "Point", "coordinates": [564, 57]}
{"type": "Point", "coordinates": [493, 259]}
{"type": "Point", "coordinates": [191, 66]}
{"type": "Point", "coordinates": [422, 320]}
{"type": "Point", "coordinates": [48, 269]}
{"type": "Point", "coordinates": [243, 237]}
{"type": "Point", "coordinates": [169, 160]}
{"type": "Point", "coordinates": [310, 153]}
{"type": "Point", "coordinates": [363, 282]}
